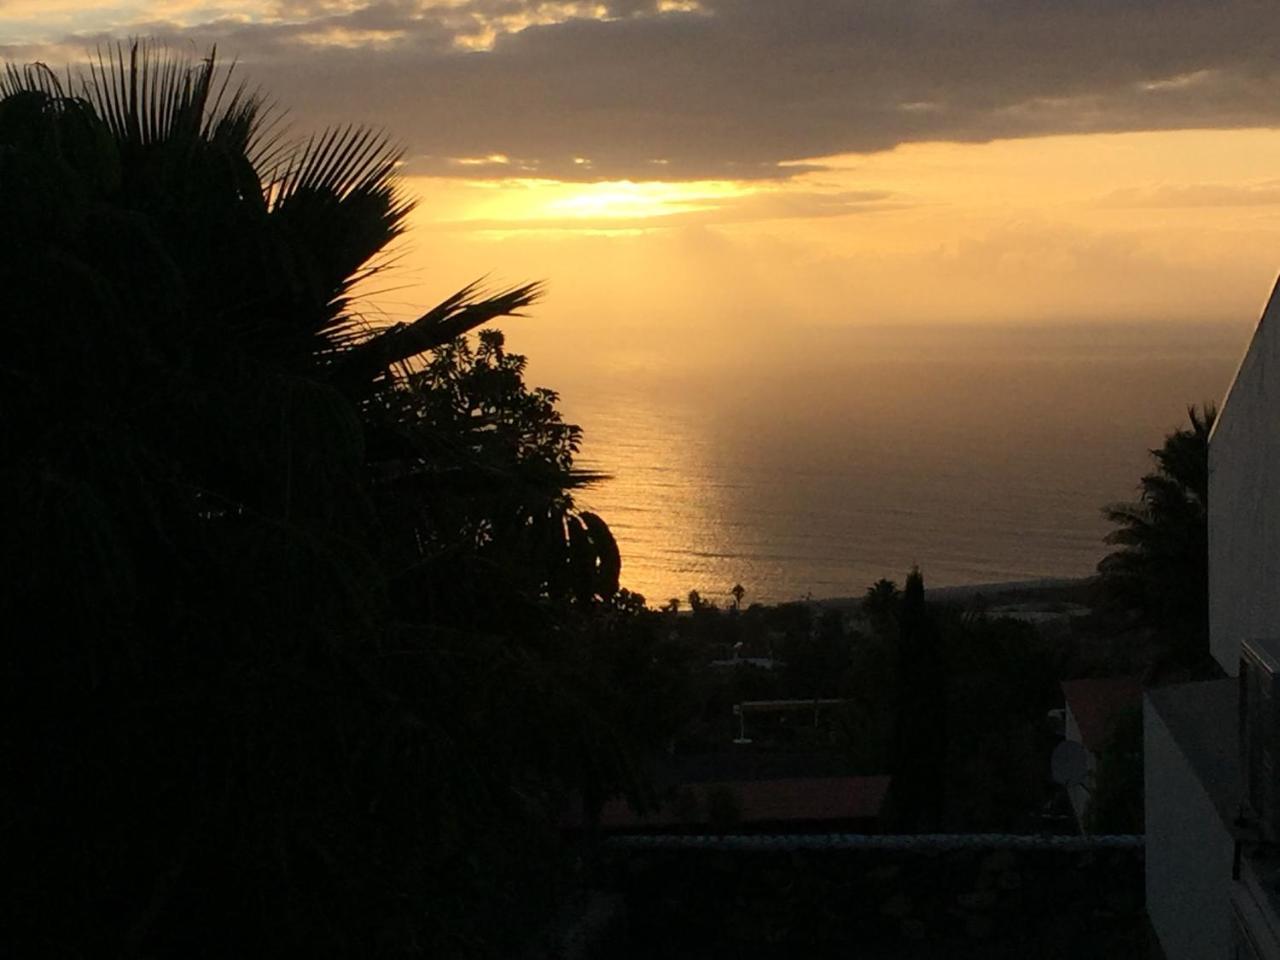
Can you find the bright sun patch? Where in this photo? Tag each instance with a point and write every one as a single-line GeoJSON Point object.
{"type": "Point", "coordinates": [533, 201]}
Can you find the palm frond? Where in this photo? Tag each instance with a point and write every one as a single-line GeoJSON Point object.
{"type": "Point", "coordinates": [340, 162]}
{"type": "Point", "coordinates": [455, 316]}
{"type": "Point", "coordinates": [147, 95]}
{"type": "Point", "coordinates": [30, 78]}
{"type": "Point", "coordinates": [337, 197]}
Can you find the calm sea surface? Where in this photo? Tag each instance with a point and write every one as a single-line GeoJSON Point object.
{"type": "Point", "coordinates": [818, 463]}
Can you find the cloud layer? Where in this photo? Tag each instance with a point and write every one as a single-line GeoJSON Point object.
{"type": "Point", "coordinates": [741, 89]}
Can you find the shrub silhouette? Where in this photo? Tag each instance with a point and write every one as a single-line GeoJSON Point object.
{"type": "Point", "coordinates": [305, 640]}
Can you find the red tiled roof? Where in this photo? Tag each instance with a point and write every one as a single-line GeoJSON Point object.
{"type": "Point", "coordinates": [1094, 702]}
{"type": "Point", "coordinates": [759, 801]}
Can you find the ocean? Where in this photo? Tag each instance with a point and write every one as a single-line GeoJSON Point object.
{"type": "Point", "coordinates": [814, 463]}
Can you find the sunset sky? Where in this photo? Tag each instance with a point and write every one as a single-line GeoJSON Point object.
{"type": "Point", "coordinates": [703, 171]}
{"type": "Point", "coordinates": [723, 195]}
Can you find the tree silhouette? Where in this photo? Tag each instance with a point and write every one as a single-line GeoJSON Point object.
{"type": "Point", "coordinates": [920, 753]}
{"type": "Point", "coordinates": [738, 593]}
{"type": "Point", "coordinates": [1161, 569]}
{"type": "Point", "coordinates": [881, 602]}
{"type": "Point", "coordinates": [322, 643]}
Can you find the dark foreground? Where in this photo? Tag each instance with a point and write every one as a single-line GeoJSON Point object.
{"type": "Point", "coordinates": [897, 903]}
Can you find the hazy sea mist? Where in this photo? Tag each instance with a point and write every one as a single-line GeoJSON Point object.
{"type": "Point", "coordinates": [826, 459]}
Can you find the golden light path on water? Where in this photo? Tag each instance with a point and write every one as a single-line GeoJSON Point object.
{"type": "Point", "coordinates": [977, 464]}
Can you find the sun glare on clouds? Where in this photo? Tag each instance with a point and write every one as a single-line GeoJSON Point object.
{"type": "Point", "coordinates": [640, 200]}
{"type": "Point", "coordinates": [537, 204]}
{"type": "Point", "coordinates": [350, 39]}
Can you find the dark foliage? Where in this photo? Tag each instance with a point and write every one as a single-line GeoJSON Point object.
{"type": "Point", "coordinates": [882, 602]}
{"type": "Point", "coordinates": [305, 644]}
{"type": "Point", "coordinates": [1161, 570]}
{"type": "Point", "coordinates": [1002, 678]}
{"type": "Point", "coordinates": [973, 903]}
{"type": "Point", "coordinates": [818, 658]}
{"type": "Point", "coordinates": [1116, 805]}
{"type": "Point", "coordinates": [920, 747]}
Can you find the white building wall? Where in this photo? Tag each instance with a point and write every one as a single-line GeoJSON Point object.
{"type": "Point", "coordinates": [1189, 852]}
{"type": "Point", "coordinates": [1244, 511]}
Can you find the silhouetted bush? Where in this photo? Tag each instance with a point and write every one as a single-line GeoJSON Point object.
{"type": "Point", "coordinates": [305, 644]}
{"type": "Point", "coordinates": [1161, 569]}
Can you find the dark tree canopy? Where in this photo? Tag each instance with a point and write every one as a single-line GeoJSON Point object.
{"type": "Point", "coordinates": [306, 643]}
{"type": "Point", "coordinates": [920, 738]}
{"type": "Point", "coordinates": [881, 601]}
{"type": "Point", "coordinates": [1161, 569]}
{"type": "Point", "coordinates": [1116, 805]}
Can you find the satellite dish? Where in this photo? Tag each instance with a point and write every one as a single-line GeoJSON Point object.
{"type": "Point", "coordinates": [1069, 764]}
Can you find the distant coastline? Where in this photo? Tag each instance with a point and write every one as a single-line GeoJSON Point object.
{"type": "Point", "coordinates": [1012, 587]}
{"type": "Point", "coordinates": [1041, 588]}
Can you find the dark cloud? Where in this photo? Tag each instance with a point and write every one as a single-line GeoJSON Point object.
{"type": "Point", "coordinates": [738, 87]}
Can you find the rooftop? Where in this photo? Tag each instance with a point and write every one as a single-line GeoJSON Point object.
{"type": "Point", "coordinates": [1094, 702]}
{"type": "Point", "coordinates": [797, 801]}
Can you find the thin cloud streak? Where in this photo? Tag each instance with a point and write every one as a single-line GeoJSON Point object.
{"type": "Point", "coordinates": [1171, 196]}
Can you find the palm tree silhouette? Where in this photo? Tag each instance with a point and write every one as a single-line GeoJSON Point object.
{"type": "Point", "coordinates": [881, 601]}
{"type": "Point", "coordinates": [270, 233]}
{"type": "Point", "coordinates": [273, 559]}
{"type": "Point", "coordinates": [1161, 568]}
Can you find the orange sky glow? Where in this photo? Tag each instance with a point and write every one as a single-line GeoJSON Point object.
{"type": "Point", "coordinates": [1178, 226]}
{"type": "Point", "coordinates": [1171, 224]}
